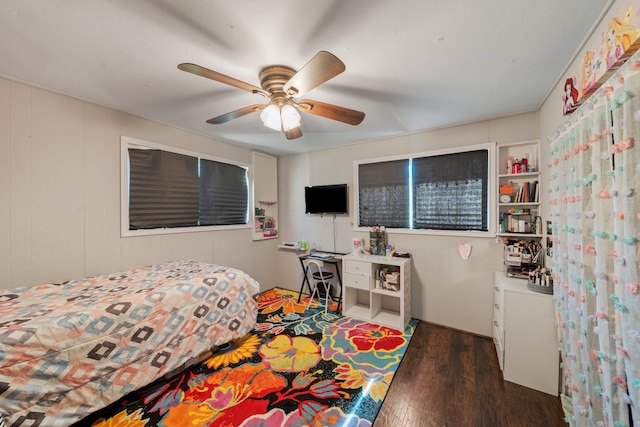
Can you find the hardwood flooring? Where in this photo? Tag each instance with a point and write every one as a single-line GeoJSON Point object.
{"type": "Point", "coordinates": [451, 378]}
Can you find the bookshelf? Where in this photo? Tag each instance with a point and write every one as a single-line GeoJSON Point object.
{"type": "Point", "coordinates": [377, 289]}
{"type": "Point", "coordinates": [518, 194]}
{"type": "Point", "coordinates": [265, 196]}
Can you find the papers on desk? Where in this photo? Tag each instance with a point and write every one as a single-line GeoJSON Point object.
{"type": "Point", "coordinates": [320, 256]}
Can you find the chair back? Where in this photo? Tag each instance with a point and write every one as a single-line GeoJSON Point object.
{"type": "Point", "coordinates": [315, 266]}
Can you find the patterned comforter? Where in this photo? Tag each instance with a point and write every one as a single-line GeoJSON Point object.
{"type": "Point", "coordinates": [69, 349]}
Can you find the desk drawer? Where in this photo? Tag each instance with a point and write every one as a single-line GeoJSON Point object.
{"type": "Point", "coordinates": [359, 281]}
{"type": "Point", "coordinates": [357, 267]}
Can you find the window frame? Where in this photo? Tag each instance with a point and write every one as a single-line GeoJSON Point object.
{"type": "Point", "coordinates": [129, 142]}
{"type": "Point", "coordinates": [491, 185]}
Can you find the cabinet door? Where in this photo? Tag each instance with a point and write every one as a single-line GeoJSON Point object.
{"type": "Point", "coordinates": [531, 349]}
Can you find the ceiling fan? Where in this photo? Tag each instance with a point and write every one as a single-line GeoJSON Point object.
{"type": "Point", "coordinates": [280, 85]}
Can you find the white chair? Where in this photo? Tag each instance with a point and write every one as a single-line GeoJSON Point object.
{"type": "Point", "coordinates": [313, 269]}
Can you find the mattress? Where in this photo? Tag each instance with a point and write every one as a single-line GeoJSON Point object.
{"type": "Point", "coordinates": [69, 349]}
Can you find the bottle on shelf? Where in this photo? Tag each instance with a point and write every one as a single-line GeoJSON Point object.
{"type": "Point", "coordinates": [516, 167]}
{"type": "Point", "coordinates": [509, 164]}
{"type": "Point", "coordinates": [531, 166]}
{"type": "Point", "coordinates": [538, 225]}
{"type": "Point", "coordinates": [523, 163]}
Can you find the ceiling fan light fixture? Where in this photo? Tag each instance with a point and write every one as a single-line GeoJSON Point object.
{"type": "Point", "coordinates": [271, 117]}
{"type": "Point", "coordinates": [280, 84]}
{"type": "Point", "coordinates": [290, 117]}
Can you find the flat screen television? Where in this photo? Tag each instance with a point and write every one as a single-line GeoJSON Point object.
{"type": "Point", "coordinates": [326, 199]}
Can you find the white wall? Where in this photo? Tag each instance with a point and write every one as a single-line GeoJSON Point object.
{"type": "Point", "coordinates": [60, 192]}
{"type": "Point", "coordinates": [445, 289]}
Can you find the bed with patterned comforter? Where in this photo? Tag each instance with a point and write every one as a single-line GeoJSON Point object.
{"type": "Point", "coordinates": [69, 349]}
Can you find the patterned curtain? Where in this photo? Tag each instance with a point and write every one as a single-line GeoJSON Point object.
{"type": "Point", "coordinates": [594, 196]}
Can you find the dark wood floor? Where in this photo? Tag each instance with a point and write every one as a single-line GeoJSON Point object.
{"type": "Point", "coordinates": [451, 378]}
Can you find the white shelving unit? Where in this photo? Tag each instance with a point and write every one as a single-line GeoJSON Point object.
{"type": "Point", "coordinates": [530, 202]}
{"type": "Point", "coordinates": [517, 215]}
{"type": "Point", "coordinates": [265, 197]}
{"type": "Point", "coordinates": [364, 296]}
{"type": "Point", "coordinates": [524, 333]}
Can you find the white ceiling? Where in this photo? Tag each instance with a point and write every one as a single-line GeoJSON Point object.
{"type": "Point", "coordinates": [411, 65]}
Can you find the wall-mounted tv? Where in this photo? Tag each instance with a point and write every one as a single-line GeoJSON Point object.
{"type": "Point", "coordinates": [326, 199]}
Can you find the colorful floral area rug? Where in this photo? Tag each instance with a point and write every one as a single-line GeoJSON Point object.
{"type": "Point", "coordinates": [297, 368]}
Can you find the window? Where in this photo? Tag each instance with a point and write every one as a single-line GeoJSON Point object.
{"type": "Point", "coordinates": [445, 191]}
{"type": "Point", "coordinates": [167, 191]}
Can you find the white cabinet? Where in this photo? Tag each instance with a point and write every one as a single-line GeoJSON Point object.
{"type": "Point", "coordinates": [265, 196]}
{"type": "Point", "coordinates": [377, 289]}
{"type": "Point", "coordinates": [524, 333]}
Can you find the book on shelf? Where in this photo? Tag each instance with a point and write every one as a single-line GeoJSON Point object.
{"type": "Point", "coordinates": [527, 193]}
{"type": "Point", "coordinates": [533, 191]}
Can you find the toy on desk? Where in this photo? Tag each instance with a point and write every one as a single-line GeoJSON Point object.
{"type": "Point", "coordinates": [357, 245]}
{"type": "Point", "coordinates": [389, 250]}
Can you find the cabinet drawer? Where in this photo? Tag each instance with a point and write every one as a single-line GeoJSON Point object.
{"type": "Point", "coordinates": [357, 267]}
{"type": "Point", "coordinates": [359, 281]}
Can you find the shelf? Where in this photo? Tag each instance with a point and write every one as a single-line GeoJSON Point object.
{"type": "Point", "coordinates": [387, 292]}
{"type": "Point", "coordinates": [295, 247]}
{"type": "Point", "coordinates": [538, 236]}
{"type": "Point", "coordinates": [527, 190]}
{"type": "Point", "coordinates": [387, 318]}
{"type": "Point", "coordinates": [265, 213]}
{"type": "Point", "coordinates": [358, 311]}
{"type": "Point", "coordinates": [519, 175]}
{"type": "Point", "coordinates": [520, 204]}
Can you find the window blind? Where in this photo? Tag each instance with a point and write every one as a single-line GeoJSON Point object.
{"type": "Point", "coordinates": [223, 194]}
{"type": "Point", "coordinates": [163, 189]}
{"type": "Point", "coordinates": [383, 196]}
{"type": "Point", "coordinates": [450, 191]}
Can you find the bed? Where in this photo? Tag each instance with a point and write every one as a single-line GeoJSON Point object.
{"type": "Point", "coordinates": [69, 349]}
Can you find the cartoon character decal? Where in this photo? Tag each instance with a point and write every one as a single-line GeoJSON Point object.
{"type": "Point", "coordinates": [588, 72]}
{"type": "Point", "coordinates": [618, 39]}
{"type": "Point", "coordinates": [569, 96]}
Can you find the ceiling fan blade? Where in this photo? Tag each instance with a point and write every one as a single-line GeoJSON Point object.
{"type": "Point", "coordinates": [330, 111]}
{"type": "Point", "coordinates": [222, 78]}
{"type": "Point", "coordinates": [319, 69]}
{"type": "Point", "coordinates": [235, 114]}
{"type": "Point", "coordinates": [293, 133]}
